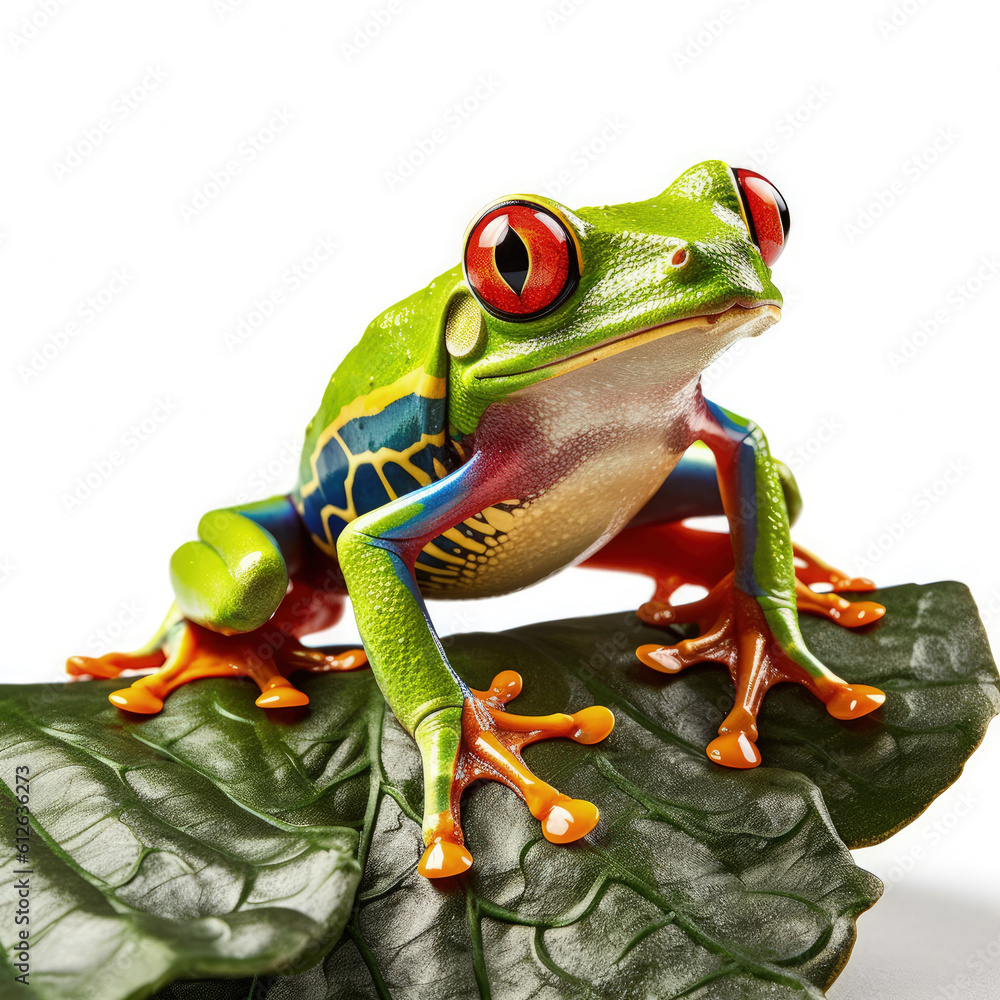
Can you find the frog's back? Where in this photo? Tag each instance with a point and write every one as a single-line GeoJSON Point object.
{"type": "Point", "coordinates": [381, 429]}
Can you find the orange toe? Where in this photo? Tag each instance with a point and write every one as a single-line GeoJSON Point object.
{"type": "Point", "coordinates": [444, 858]}
{"type": "Point", "coordinates": [568, 820]}
{"type": "Point", "coordinates": [860, 613]}
{"type": "Point", "coordinates": [661, 658]}
{"type": "Point", "coordinates": [853, 701]}
{"type": "Point", "coordinates": [137, 698]}
{"type": "Point", "coordinates": [112, 664]}
{"type": "Point", "coordinates": [90, 666]}
{"type": "Point", "coordinates": [282, 696]}
{"type": "Point", "coordinates": [856, 583]}
{"type": "Point", "coordinates": [506, 687]}
{"type": "Point", "coordinates": [593, 724]}
{"type": "Point", "coordinates": [734, 750]}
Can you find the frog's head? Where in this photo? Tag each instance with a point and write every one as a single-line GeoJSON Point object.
{"type": "Point", "coordinates": [547, 290]}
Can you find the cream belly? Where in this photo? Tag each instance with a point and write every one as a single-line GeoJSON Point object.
{"type": "Point", "coordinates": [515, 544]}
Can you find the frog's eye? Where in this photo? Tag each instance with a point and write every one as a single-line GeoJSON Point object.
{"type": "Point", "coordinates": [766, 213]}
{"type": "Point", "coordinates": [520, 260]}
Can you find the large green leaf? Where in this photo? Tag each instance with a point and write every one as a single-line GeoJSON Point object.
{"type": "Point", "coordinates": [192, 843]}
{"type": "Point", "coordinates": [722, 884]}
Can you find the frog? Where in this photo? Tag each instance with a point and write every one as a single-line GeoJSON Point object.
{"type": "Point", "coordinates": [537, 406]}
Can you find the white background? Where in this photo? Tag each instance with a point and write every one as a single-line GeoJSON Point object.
{"type": "Point", "coordinates": [846, 107]}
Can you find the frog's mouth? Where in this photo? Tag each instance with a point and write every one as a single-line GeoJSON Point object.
{"type": "Point", "coordinates": [727, 325]}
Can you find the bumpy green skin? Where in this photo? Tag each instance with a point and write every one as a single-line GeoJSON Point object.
{"type": "Point", "coordinates": [232, 579]}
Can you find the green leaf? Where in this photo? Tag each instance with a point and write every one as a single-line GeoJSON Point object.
{"type": "Point", "coordinates": [216, 989]}
{"type": "Point", "coordinates": [698, 881]}
{"type": "Point", "coordinates": [194, 843]}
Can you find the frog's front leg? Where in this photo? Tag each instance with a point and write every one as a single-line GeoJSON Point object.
{"type": "Point", "coordinates": [236, 613]}
{"type": "Point", "coordinates": [463, 735]}
{"type": "Point", "coordinates": [749, 619]}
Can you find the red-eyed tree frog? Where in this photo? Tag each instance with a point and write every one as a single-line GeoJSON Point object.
{"type": "Point", "coordinates": [536, 406]}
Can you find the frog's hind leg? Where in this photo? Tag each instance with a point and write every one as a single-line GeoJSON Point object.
{"type": "Point", "coordinates": [239, 611]}
{"type": "Point", "coordinates": [196, 653]}
{"type": "Point", "coordinates": [482, 740]}
{"type": "Point", "coordinates": [674, 555]}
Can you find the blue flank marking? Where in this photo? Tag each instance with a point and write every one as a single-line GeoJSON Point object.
{"type": "Point", "coordinates": [403, 422]}
{"type": "Point", "coordinates": [368, 490]}
{"type": "Point", "coordinates": [745, 536]}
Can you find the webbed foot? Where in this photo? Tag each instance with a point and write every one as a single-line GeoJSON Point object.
{"type": "Point", "coordinates": [482, 740]}
{"type": "Point", "coordinates": [190, 652]}
{"type": "Point", "coordinates": [735, 632]}
{"type": "Point", "coordinates": [810, 570]}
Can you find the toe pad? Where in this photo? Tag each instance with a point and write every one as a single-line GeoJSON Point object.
{"type": "Point", "coordinates": [853, 701]}
{"type": "Point", "coordinates": [568, 820]}
{"type": "Point", "coordinates": [593, 724]}
{"type": "Point", "coordinates": [734, 750]}
{"type": "Point", "coordinates": [136, 699]}
{"type": "Point", "coordinates": [660, 658]}
{"type": "Point", "coordinates": [444, 858]}
{"type": "Point", "coordinates": [283, 696]}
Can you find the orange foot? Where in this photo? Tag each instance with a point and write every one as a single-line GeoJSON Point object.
{"type": "Point", "coordinates": [192, 652]}
{"type": "Point", "coordinates": [810, 570]}
{"type": "Point", "coordinates": [735, 632]}
{"type": "Point", "coordinates": [491, 743]}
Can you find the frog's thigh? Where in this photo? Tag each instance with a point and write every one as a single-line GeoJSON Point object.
{"type": "Point", "coordinates": [233, 578]}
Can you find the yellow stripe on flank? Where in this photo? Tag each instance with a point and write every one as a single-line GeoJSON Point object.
{"type": "Point", "coordinates": [378, 460]}
{"type": "Point", "coordinates": [470, 544]}
{"type": "Point", "coordinates": [417, 383]}
{"type": "Point", "coordinates": [480, 526]}
{"type": "Point", "coordinates": [437, 570]}
{"type": "Point", "coordinates": [502, 520]}
{"type": "Point", "coordinates": [432, 550]}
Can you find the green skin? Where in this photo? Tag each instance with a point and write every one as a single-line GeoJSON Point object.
{"type": "Point", "coordinates": [492, 372]}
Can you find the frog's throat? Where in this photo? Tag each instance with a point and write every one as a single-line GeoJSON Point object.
{"type": "Point", "coordinates": [743, 321]}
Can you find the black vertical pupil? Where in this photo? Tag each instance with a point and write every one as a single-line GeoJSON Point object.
{"type": "Point", "coordinates": [511, 256]}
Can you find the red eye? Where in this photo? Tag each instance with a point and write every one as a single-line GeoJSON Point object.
{"type": "Point", "coordinates": [520, 260]}
{"type": "Point", "coordinates": [766, 212]}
